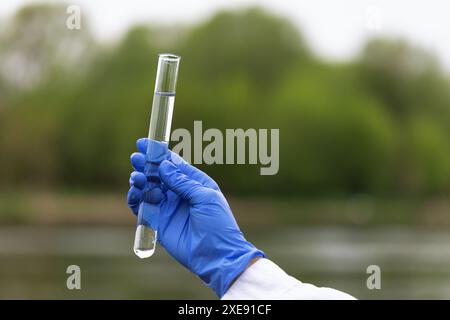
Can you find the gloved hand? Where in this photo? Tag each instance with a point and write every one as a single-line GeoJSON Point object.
{"type": "Point", "coordinates": [196, 225]}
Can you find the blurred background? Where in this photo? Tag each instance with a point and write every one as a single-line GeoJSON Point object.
{"type": "Point", "coordinates": [359, 90]}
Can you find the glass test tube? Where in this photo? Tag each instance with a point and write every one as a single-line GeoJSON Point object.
{"type": "Point", "coordinates": [160, 123]}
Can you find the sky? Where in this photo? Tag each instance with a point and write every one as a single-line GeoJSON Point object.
{"type": "Point", "coordinates": [335, 30]}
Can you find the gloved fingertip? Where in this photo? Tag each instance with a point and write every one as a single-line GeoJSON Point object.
{"type": "Point", "coordinates": [138, 161]}
{"type": "Point", "coordinates": [142, 144]}
{"type": "Point", "coordinates": [134, 196]}
{"type": "Point", "coordinates": [138, 180]}
{"type": "Point", "coordinates": [166, 169]}
{"type": "Point", "coordinates": [168, 173]}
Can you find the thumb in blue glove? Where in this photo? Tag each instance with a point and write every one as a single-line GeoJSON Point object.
{"type": "Point", "coordinates": [196, 225]}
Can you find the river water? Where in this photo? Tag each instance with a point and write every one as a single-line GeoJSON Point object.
{"type": "Point", "coordinates": [414, 262]}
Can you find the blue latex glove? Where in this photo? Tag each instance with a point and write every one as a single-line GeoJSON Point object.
{"type": "Point", "coordinates": [196, 225]}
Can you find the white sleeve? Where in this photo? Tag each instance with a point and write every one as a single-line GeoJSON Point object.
{"type": "Point", "coordinates": [264, 280]}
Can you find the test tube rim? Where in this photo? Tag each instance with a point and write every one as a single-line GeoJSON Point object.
{"type": "Point", "coordinates": [169, 56]}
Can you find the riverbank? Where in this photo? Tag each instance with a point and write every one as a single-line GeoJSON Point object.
{"type": "Point", "coordinates": [56, 208]}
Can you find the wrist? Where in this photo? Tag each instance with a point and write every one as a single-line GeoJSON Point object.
{"type": "Point", "coordinates": [231, 267]}
{"type": "Point", "coordinates": [250, 263]}
{"type": "Point", "coordinates": [248, 266]}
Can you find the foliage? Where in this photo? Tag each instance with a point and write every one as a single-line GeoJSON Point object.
{"type": "Point", "coordinates": [71, 108]}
